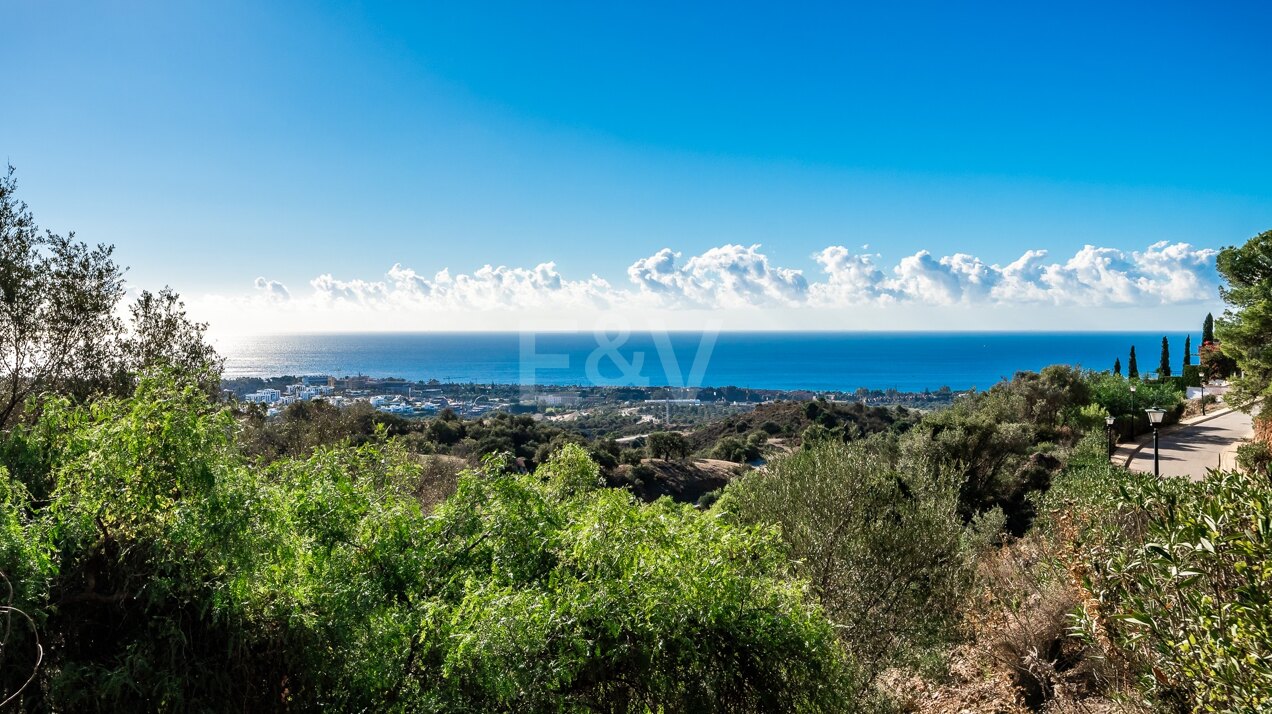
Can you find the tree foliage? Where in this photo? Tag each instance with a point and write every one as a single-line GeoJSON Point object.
{"type": "Point", "coordinates": [1003, 442]}
{"type": "Point", "coordinates": [1114, 394]}
{"type": "Point", "coordinates": [1215, 363]}
{"type": "Point", "coordinates": [1245, 330]}
{"type": "Point", "coordinates": [58, 298]}
{"type": "Point", "coordinates": [161, 335]}
{"type": "Point", "coordinates": [667, 445]}
{"type": "Point", "coordinates": [739, 450]}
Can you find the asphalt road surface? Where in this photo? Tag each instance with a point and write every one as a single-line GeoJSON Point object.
{"type": "Point", "coordinates": [1188, 450]}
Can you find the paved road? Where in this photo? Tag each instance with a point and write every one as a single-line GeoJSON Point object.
{"type": "Point", "coordinates": [1190, 449]}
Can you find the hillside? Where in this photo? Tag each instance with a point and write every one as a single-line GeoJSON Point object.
{"type": "Point", "coordinates": [790, 419]}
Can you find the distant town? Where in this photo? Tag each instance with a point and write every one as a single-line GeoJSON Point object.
{"type": "Point", "coordinates": [421, 399]}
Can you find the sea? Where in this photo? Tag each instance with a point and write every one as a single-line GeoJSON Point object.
{"type": "Point", "coordinates": [818, 361]}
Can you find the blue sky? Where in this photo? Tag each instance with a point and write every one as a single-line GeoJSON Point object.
{"type": "Point", "coordinates": [240, 152]}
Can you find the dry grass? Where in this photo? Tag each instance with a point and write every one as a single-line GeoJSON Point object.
{"type": "Point", "coordinates": [1263, 424]}
{"type": "Point", "coordinates": [439, 476]}
{"type": "Point", "coordinates": [1034, 644]}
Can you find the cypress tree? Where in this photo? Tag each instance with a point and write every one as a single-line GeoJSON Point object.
{"type": "Point", "coordinates": [1187, 351]}
{"type": "Point", "coordinates": [1208, 330]}
{"type": "Point", "coordinates": [1163, 368]}
{"type": "Point", "coordinates": [1132, 368]}
{"type": "Point", "coordinates": [1117, 367]}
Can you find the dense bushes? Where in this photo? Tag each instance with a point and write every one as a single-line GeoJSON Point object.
{"type": "Point", "coordinates": [1114, 394]}
{"type": "Point", "coordinates": [1192, 603]}
{"type": "Point", "coordinates": [164, 571]}
{"type": "Point", "coordinates": [1005, 443]}
{"type": "Point", "coordinates": [876, 533]}
{"type": "Point", "coordinates": [1178, 581]}
{"type": "Point", "coordinates": [847, 420]}
{"type": "Point", "coordinates": [738, 450]}
{"type": "Point", "coordinates": [304, 426]}
{"type": "Point", "coordinates": [667, 445]}
{"type": "Point", "coordinates": [132, 565]}
{"type": "Point", "coordinates": [1255, 458]}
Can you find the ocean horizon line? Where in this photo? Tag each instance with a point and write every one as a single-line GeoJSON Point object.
{"type": "Point", "coordinates": [312, 333]}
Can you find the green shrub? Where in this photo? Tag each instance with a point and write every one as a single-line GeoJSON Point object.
{"type": "Point", "coordinates": [1191, 376]}
{"type": "Point", "coordinates": [1187, 592]}
{"type": "Point", "coordinates": [878, 537]}
{"type": "Point", "coordinates": [152, 530]}
{"type": "Point", "coordinates": [1114, 394]}
{"type": "Point", "coordinates": [1088, 418]}
{"type": "Point", "coordinates": [1255, 457]}
{"type": "Point", "coordinates": [731, 448]}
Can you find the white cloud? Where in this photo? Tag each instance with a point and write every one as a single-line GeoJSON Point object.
{"type": "Point", "coordinates": [735, 277]}
{"type": "Point", "coordinates": [1021, 280]}
{"type": "Point", "coordinates": [332, 291]}
{"type": "Point", "coordinates": [1164, 274]}
{"type": "Point", "coordinates": [1093, 276]}
{"type": "Point", "coordinates": [1176, 272]}
{"type": "Point", "coordinates": [272, 290]}
{"type": "Point", "coordinates": [850, 279]}
{"type": "Point", "coordinates": [488, 288]}
{"type": "Point", "coordinates": [953, 279]}
{"type": "Point", "coordinates": [725, 277]}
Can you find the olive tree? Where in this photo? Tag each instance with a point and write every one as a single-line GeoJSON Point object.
{"type": "Point", "coordinates": [161, 334]}
{"type": "Point", "coordinates": [876, 532]}
{"type": "Point", "coordinates": [60, 326]}
{"type": "Point", "coordinates": [57, 306]}
{"type": "Point", "coordinates": [668, 445]}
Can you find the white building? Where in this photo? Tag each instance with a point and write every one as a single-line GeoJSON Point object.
{"type": "Point", "coordinates": [264, 396]}
{"type": "Point", "coordinates": [557, 400]}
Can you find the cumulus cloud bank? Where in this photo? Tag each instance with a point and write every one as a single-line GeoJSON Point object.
{"type": "Point", "coordinates": [723, 277]}
{"type": "Point", "coordinates": [489, 288]}
{"type": "Point", "coordinates": [735, 276]}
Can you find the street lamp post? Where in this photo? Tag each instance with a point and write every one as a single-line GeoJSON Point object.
{"type": "Point", "coordinates": [1155, 417]}
{"type": "Point", "coordinates": [1134, 421]}
{"type": "Point", "coordinates": [1108, 433]}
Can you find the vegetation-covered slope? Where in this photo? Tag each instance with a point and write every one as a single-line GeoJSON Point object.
{"type": "Point", "coordinates": [163, 571]}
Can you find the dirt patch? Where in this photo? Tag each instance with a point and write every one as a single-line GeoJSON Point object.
{"type": "Point", "coordinates": [683, 481]}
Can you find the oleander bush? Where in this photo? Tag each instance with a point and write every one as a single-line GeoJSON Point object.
{"type": "Point", "coordinates": [1192, 603]}
{"type": "Point", "coordinates": [1179, 585]}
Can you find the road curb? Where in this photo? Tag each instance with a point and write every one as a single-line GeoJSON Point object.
{"type": "Point", "coordinates": [1139, 446]}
